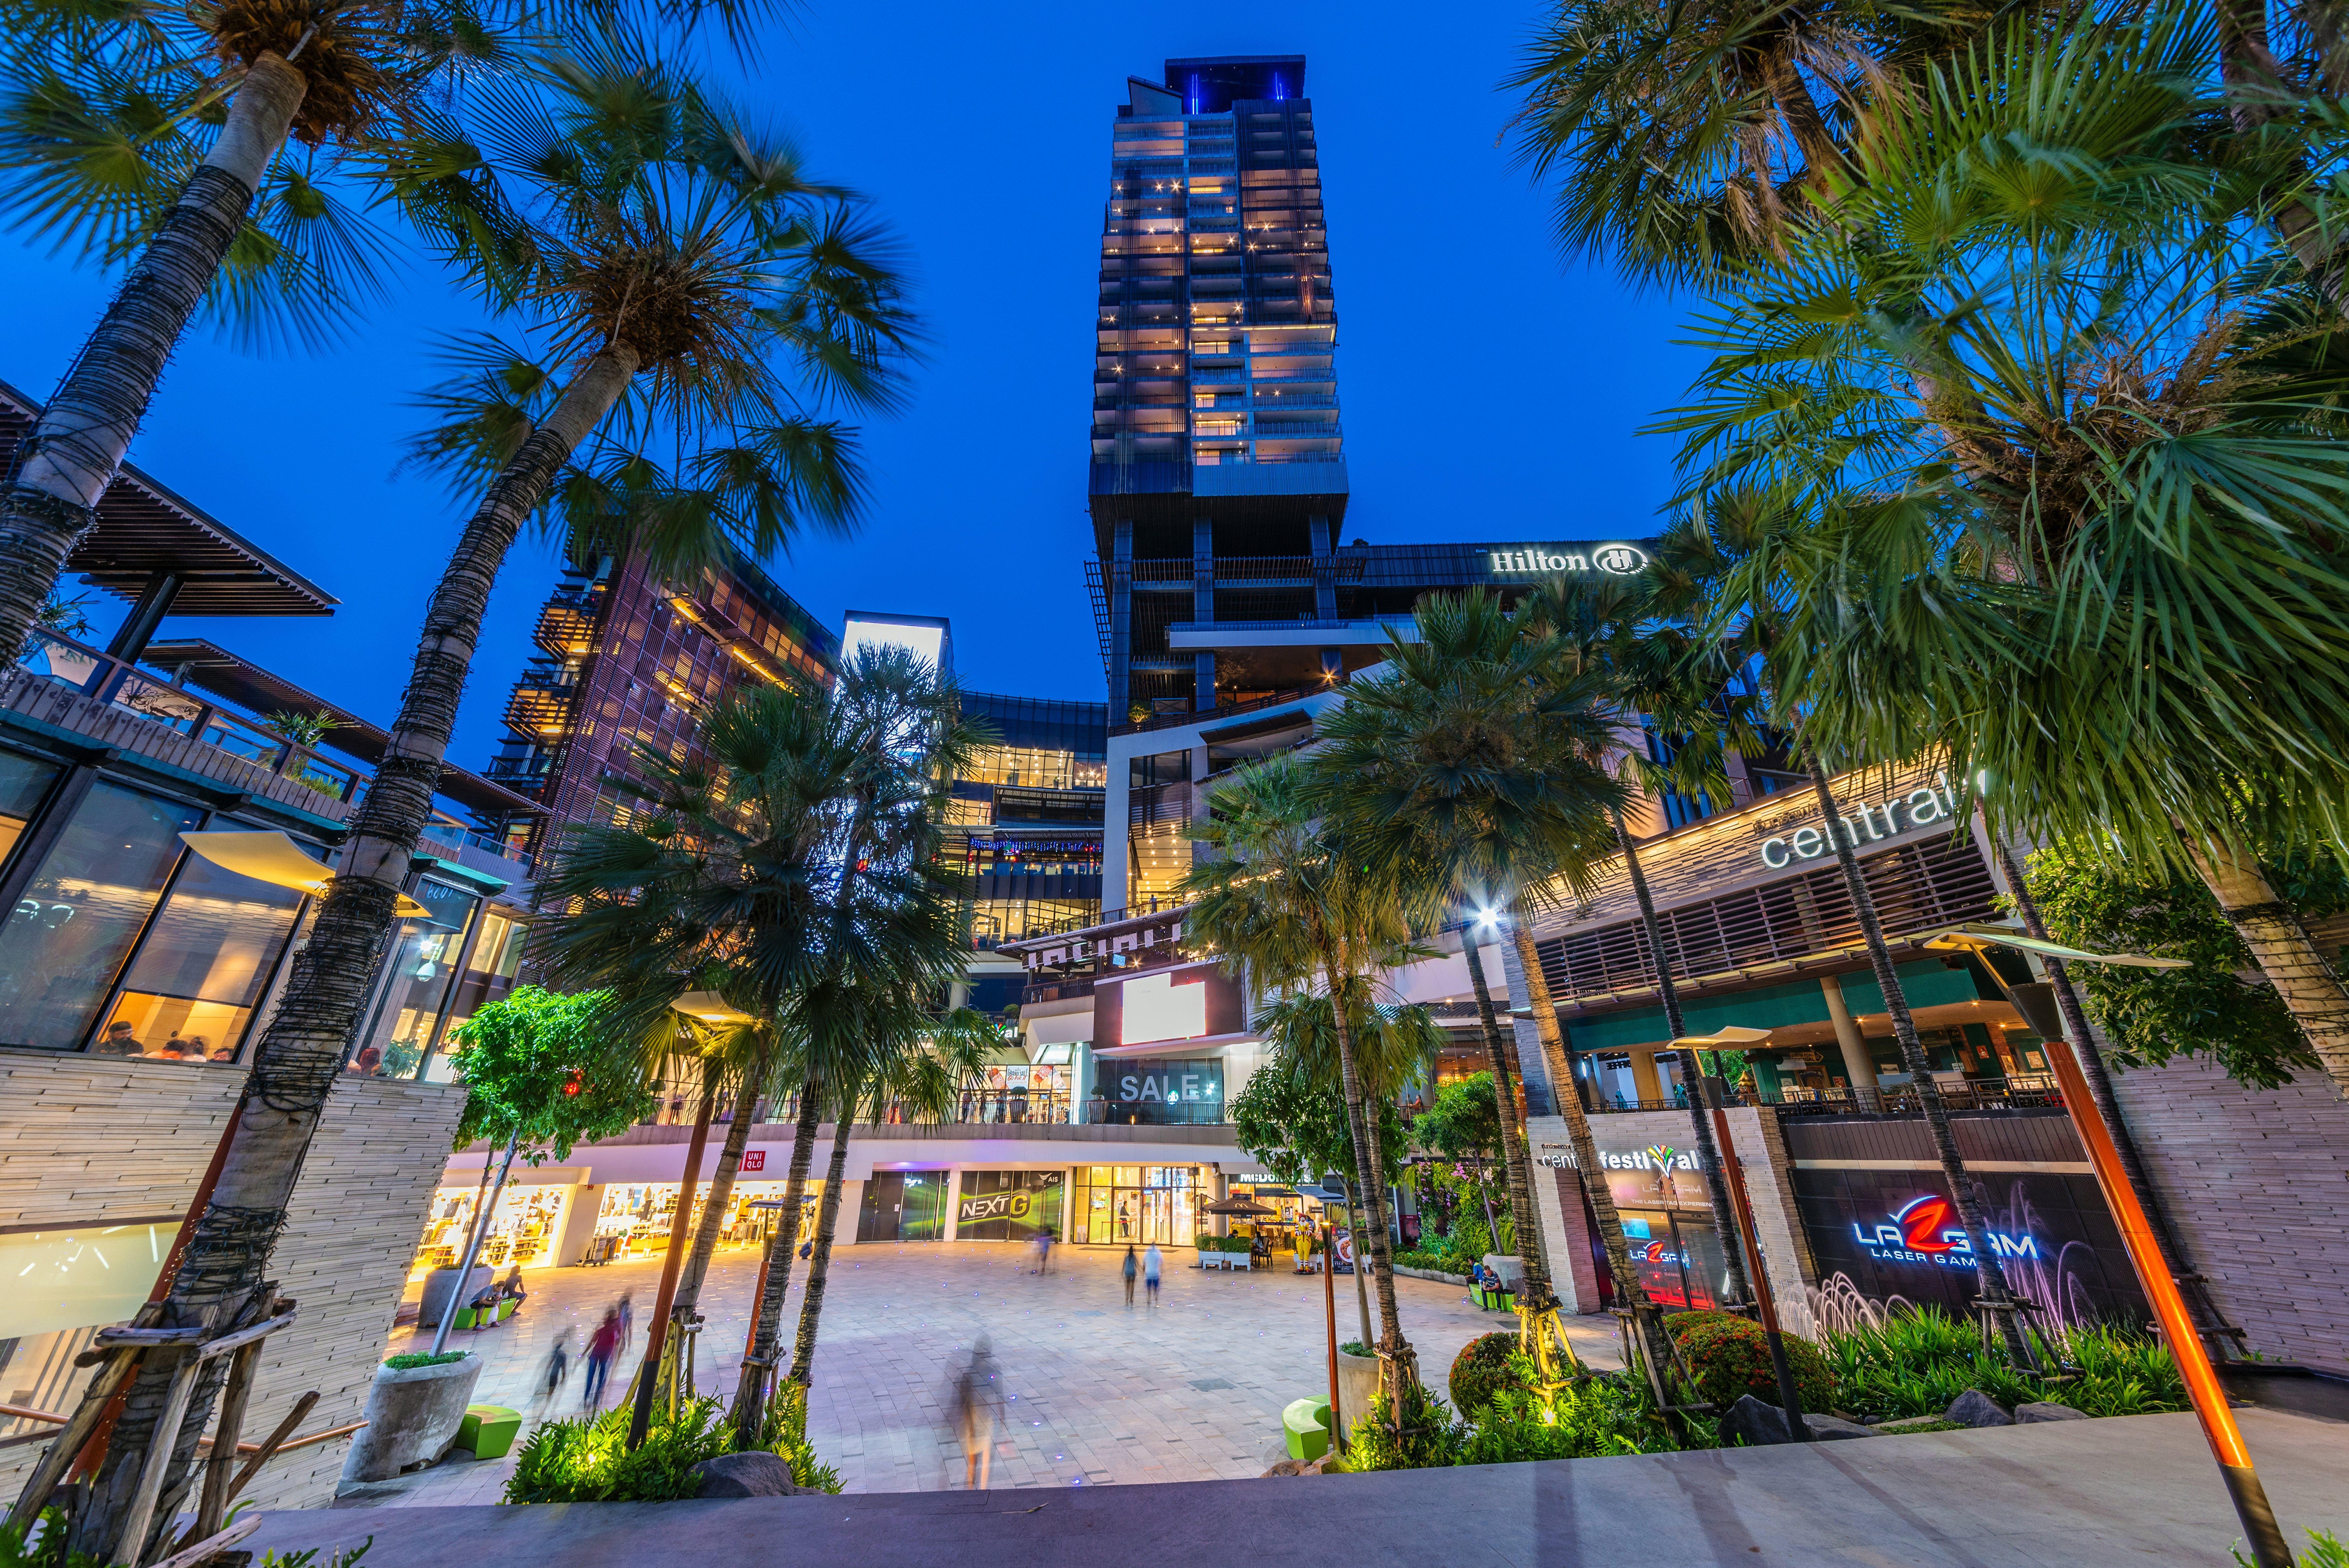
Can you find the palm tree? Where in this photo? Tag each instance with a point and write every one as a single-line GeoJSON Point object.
{"type": "Point", "coordinates": [1654, 666]}
{"type": "Point", "coordinates": [155, 135]}
{"type": "Point", "coordinates": [1395, 1047]}
{"type": "Point", "coordinates": [677, 259]}
{"type": "Point", "coordinates": [1689, 140]}
{"type": "Point", "coordinates": [723, 870]}
{"type": "Point", "coordinates": [1288, 900]}
{"type": "Point", "coordinates": [922, 1069]}
{"type": "Point", "coordinates": [2020, 496]}
{"type": "Point", "coordinates": [891, 928]}
{"type": "Point", "coordinates": [1468, 765]}
{"type": "Point", "coordinates": [1700, 561]}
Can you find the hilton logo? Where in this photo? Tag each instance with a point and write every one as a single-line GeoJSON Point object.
{"type": "Point", "coordinates": [1615, 560]}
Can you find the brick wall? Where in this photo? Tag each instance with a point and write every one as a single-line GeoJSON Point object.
{"type": "Point", "coordinates": [2256, 1182]}
{"type": "Point", "coordinates": [91, 1140]}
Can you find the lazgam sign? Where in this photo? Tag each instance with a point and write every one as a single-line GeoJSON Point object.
{"type": "Point", "coordinates": [1867, 823]}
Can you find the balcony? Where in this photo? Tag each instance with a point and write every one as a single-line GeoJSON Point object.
{"type": "Point", "coordinates": [542, 707]}
{"type": "Point", "coordinates": [566, 626]}
{"type": "Point", "coordinates": [182, 723]}
{"type": "Point", "coordinates": [2022, 1091]}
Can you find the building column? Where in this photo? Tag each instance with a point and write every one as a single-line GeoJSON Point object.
{"type": "Point", "coordinates": [1118, 584]}
{"type": "Point", "coordinates": [1777, 1224]}
{"type": "Point", "coordinates": [1558, 1202]}
{"type": "Point", "coordinates": [1857, 1065]}
{"type": "Point", "coordinates": [1533, 1066]}
{"type": "Point", "coordinates": [1645, 1080]}
{"type": "Point", "coordinates": [1203, 608]}
{"type": "Point", "coordinates": [953, 1202]}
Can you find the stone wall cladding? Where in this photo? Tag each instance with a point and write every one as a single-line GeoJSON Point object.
{"type": "Point", "coordinates": [2254, 1180]}
{"type": "Point", "coordinates": [90, 1140]}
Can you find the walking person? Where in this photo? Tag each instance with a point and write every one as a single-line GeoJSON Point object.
{"type": "Point", "coordinates": [601, 1348]}
{"type": "Point", "coordinates": [1044, 1239]}
{"type": "Point", "coordinates": [974, 1408]}
{"type": "Point", "coordinates": [627, 1311]}
{"type": "Point", "coordinates": [558, 1367]}
{"type": "Point", "coordinates": [1151, 1260]}
{"type": "Point", "coordinates": [1130, 1270]}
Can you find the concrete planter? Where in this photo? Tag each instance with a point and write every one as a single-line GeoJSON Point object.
{"type": "Point", "coordinates": [412, 1416]}
{"type": "Point", "coordinates": [1358, 1384]}
{"type": "Point", "coordinates": [440, 1284]}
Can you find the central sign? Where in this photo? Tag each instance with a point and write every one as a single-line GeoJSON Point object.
{"type": "Point", "coordinates": [1866, 824]}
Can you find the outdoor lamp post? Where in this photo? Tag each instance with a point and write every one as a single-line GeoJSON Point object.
{"type": "Point", "coordinates": [1740, 1210]}
{"type": "Point", "coordinates": [2225, 1438]}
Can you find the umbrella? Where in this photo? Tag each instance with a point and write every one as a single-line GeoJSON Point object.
{"type": "Point", "coordinates": [1247, 1207]}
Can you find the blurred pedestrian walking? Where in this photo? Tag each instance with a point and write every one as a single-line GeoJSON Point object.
{"type": "Point", "coordinates": [627, 1311]}
{"type": "Point", "coordinates": [558, 1367]}
{"type": "Point", "coordinates": [601, 1349]}
{"type": "Point", "coordinates": [1151, 1260]}
{"type": "Point", "coordinates": [1130, 1270]}
{"type": "Point", "coordinates": [975, 1399]}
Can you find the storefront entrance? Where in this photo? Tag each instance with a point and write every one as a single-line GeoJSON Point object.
{"type": "Point", "coordinates": [1677, 1256]}
{"type": "Point", "coordinates": [903, 1206]}
{"type": "Point", "coordinates": [1009, 1205]}
{"type": "Point", "coordinates": [1137, 1205]}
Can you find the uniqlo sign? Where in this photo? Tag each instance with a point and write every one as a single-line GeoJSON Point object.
{"type": "Point", "coordinates": [754, 1160]}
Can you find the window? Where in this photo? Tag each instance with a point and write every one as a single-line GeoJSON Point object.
{"type": "Point", "coordinates": [22, 783]}
{"type": "Point", "coordinates": [190, 990]}
{"type": "Point", "coordinates": [67, 938]}
{"type": "Point", "coordinates": [416, 994]}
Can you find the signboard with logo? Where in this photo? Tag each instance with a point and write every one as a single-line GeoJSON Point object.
{"type": "Point", "coordinates": [1008, 1205]}
{"type": "Point", "coordinates": [1166, 1092]}
{"type": "Point", "coordinates": [1888, 1238]}
{"type": "Point", "coordinates": [1609, 558]}
{"type": "Point", "coordinates": [754, 1160]}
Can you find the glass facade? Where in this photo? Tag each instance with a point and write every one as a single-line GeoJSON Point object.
{"type": "Point", "coordinates": [204, 964]}
{"type": "Point", "coordinates": [423, 976]}
{"type": "Point", "coordinates": [83, 911]}
{"type": "Point", "coordinates": [1009, 1205]}
{"type": "Point", "coordinates": [1137, 1205]}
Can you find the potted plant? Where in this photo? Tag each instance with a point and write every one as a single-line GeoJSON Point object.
{"type": "Point", "coordinates": [1358, 1380]}
{"type": "Point", "coordinates": [413, 1412]}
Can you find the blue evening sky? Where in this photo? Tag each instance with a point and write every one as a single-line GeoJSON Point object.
{"type": "Point", "coordinates": [1488, 391]}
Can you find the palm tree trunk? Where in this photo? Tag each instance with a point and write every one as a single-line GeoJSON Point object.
{"type": "Point", "coordinates": [2208, 1318]}
{"type": "Point", "coordinates": [1540, 1294]}
{"type": "Point", "coordinates": [722, 1181]}
{"type": "Point", "coordinates": [1994, 1294]}
{"type": "Point", "coordinates": [1370, 1165]}
{"type": "Point", "coordinates": [2270, 928]}
{"type": "Point", "coordinates": [76, 445]}
{"type": "Point", "coordinates": [827, 1221]}
{"type": "Point", "coordinates": [749, 1411]}
{"type": "Point", "coordinates": [301, 1054]}
{"type": "Point", "coordinates": [1668, 991]}
{"type": "Point", "coordinates": [1628, 1289]}
{"type": "Point", "coordinates": [1361, 1270]}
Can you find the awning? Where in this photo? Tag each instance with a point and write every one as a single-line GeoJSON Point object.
{"type": "Point", "coordinates": [1975, 937]}
{"type": "Point", "coordinates": [274, 858]}
{"type": "Point", "coordinates": [710, 1008]}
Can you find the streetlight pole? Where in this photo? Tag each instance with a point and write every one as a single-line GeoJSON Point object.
{"type": "Point", "coordinates": [1740, 1210]}
{"type": "Point", "coordinates": [2269, 1549]}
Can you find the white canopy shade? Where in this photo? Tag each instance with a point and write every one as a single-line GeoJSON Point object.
{"type": "Point", "coordinates": [274, 858]}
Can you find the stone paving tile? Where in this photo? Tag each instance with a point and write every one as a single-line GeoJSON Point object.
{"type": "Point", "coordinates": [1096, 1393]}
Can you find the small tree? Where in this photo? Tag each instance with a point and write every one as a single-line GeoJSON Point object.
{"type": "Point", "coordinates": [2091, 901]}
{"type": "Point", "coordinates": [1464, 1124]}
{"type": "Point", "coordinates": [543, 1073]}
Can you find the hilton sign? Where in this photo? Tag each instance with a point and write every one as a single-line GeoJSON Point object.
{"type": "Point", "coordinates": [1532, 560]}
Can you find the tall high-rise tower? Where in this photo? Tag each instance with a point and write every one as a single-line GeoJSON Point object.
{"type": "Point", "coordinates": [1216, 440]}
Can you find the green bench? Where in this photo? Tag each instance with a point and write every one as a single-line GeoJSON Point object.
{"type": "Point", "coordinates": [488, 1431]}
{"type": "Point", "coordinates": [1307, 1424]}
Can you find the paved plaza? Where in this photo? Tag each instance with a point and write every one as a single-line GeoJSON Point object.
{"type": "Point", "coordinates": [1096, 1393]}
{"type": "Point", "coordinates": [2138, 1491]}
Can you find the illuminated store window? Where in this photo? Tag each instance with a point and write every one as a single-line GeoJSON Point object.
{"type": "Point", "coordinates": [192, 989]}
{"type": "Point", "coordinates": [80, 914]}
{"type": "Point", "coordinates": [416, 994]}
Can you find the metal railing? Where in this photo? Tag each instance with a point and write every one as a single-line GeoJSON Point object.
{"type": "Point", "coordinates": [2019, 1091]}
{"type": "Point", "coordinates": [1214, 716]}
{"type": "Point", "coordinates": [120, 684]}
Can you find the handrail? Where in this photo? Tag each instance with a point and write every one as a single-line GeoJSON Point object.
{"type": "Point", "coordinates": [122, 684]}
